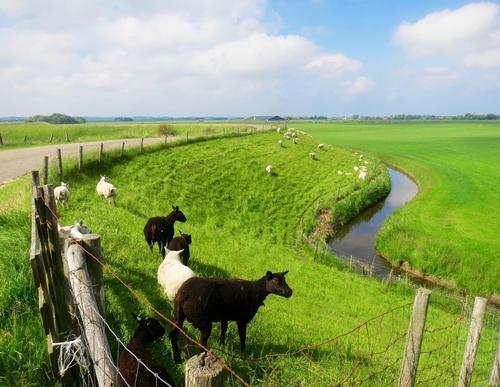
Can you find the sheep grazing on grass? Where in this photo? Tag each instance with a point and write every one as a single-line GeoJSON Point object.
{"type": "Point", "coordinates": [160, 229]}
{"type": "Point", "coordinates": [287, 136]}
{"type": "Point", "coordinates": [360, 157]}
{"type": "Point", "coordinates": [312, 155]}
{"type": "Point", "coordinates": [280, 142]}
{"type": "Point", "coordinates": [356, 169]}
{"type": "Point", "coordinates": [203, 301]}
{"type": "Point", "coordinates": [61, 194]}
{"type": "Point", "coordinates": [362, 175]}
{"type": "Point", "coordinates": [339, 172]}
{"type": "Point", "coordinates": [181, 243]}
{"type": "Point", "coordinates": [75, 231]}
{"type": "Point", "coordinates": [269, 169]}
{"type": "Point", "coordinates": [295, 140]}
{"type": "Point", "coordinates": [278, 130]}
{"type": "Point", "coordinates": [134, 373]}
{"type": "Point", "coordinates": [106, 190]}
{"type": "Point", "coordinates": [321, 146]}
{"type": "Point", "coordinates": [295, 135]}
{"type": "Point", "coordinates": [366, 162]}
{"type": "Point", "coordinates": [172, 274]}
{"type": "Point", "coordinates": [348, 174]}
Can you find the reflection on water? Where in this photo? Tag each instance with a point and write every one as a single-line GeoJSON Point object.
{"type": "Point", "coordinates": [357, 238]}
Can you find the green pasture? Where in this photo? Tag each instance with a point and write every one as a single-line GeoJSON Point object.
{"type": "Point", "coordinates": [451, 229]}
{"type": "Point", "coordinates": [244, 222]}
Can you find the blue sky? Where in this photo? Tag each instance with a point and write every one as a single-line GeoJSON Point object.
{"type": "Point", "coordinates": [246, 57]}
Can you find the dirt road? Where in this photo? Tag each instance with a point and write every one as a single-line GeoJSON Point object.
{"type": "Point", "coordinates": [17, 162]}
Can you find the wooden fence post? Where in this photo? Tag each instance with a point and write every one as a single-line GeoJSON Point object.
{"type": "Point", "coordinates": [414, 338]}
{"type": "Point", "coordinates": [51, 137]}
{"type": "Point", "coordinates": [80, 159]}
{"type": "Point", "coordinates": [203, 371]}
{"type": "Point", "coordinates": [45, 170]}
{"type": "Point", "coordinates": [59, 163]}
{"type": "Point", "coordinates": [123, 149]}
{"type": "Point", "coordinates": [101, 151]}
{"type": "Point", "coordinates": [166, 139]}
{"type": "Point", "coordinates": [67, 136]}
{"type": "Point", "coordinates": [495, 370]}
{"type": "Point", "coordinates": [92, 243]}
{"type": "Point", "coordinates": [187, 136]}
{"type": "Point", "coordinates": [224, 132]}
{"type": "Point", "coordinates": [476, 324]}
{"type": "Point", "coordinates": [142, 145]}
{"type": "Point", "coordinates": [1, 139]}
{"type": "Point", "coordinates": [94, 327]}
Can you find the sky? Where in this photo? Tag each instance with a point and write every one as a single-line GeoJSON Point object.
{"type": "Point", "coordinates": [248, 57]}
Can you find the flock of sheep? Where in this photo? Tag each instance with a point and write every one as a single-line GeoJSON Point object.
{"type": "Point", "coordinates": [201, 301]}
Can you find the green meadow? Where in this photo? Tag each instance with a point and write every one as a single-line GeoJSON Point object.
{"type": "Point", "coordinates": [451, 229]}
{"type": "Point", "coordinates": [243, 222]}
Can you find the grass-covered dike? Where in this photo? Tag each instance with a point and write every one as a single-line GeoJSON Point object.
{"type": "Point", "coordinates": [244, 222]}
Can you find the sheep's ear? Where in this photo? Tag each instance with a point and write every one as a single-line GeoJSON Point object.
{"type": "Point", "coordinates": [269, 275]}
{"type": "Point", "coordinates": [285, 273]}
{"type": "Point", "coordinates": [81, 222]}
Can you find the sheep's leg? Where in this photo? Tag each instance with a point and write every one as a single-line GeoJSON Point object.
{"type": "Point", "coordinates": [205, 333]}
{"type": "Point", "coordinates": [242, 331]}
{"type": "Point", "coordinates": [223, 330]}
{"type": "Point", "coordinates": [174, 335]}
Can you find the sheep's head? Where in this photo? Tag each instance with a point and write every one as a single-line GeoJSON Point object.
{"type": "Point", "coordinates": [63, 184]}
{"type": "Point", "coordinates": [179, 216]}
{"type": "Point", "coordinates": [82, 227]}
{"type": "Point", "coordinates": [276, 284]}
{"type": "Point", "coordinates": [104, 178]}
{"type": "Point", "coordinates": [150, 328]}
{"type": "Point", "coordinates": [187, 237]}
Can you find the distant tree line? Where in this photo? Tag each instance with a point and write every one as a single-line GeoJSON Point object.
{"type": "Point", "coordinates": [430, 117]}
{"type": "Point", "coordinates": [57, 119]}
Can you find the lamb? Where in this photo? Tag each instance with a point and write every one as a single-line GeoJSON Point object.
{"type": "Point", "coordinates": [362, 175]}
{"type": "Point", "coordinates": [203, 301]}
{"type": "Point", "coordinates": [269, 169]}
{"type": "Point", "coordinates": [61, 194]}
{"type": "Point", "coordinates": [321, 146]}
{"type": "Point", "coordinates": [295, 140]}
{"type": "Point", "coordinates": [181, 243]}
{"type": "Point", "coordinates": [132, 372]}
{"type": "Point", "coordinates": [312, 155]}
{"type": "Point", "coordinates": [106, 190]}
{"type": "Point", "coordinates": [356, 168]}
{"type": "Point", "coordinates": [280, 142]}
{"type": "Point", "coordinates": [160, 229]}
{"type": "Point", "coordinates": [172, 274]}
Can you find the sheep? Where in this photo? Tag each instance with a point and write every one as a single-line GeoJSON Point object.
{"type": "Point", "coordinates": [75, 231]}
{"type": "Point", "coordinates": [160, 229]}
{"type": "Point", "coordinates": [181, 243]}
{"type": "Point", "coordinates": [106, 190]}
{"type": "Point", "coordinates": [172, 274]}
{"type": "Point", "coordinates": [280, 142]}
{"type": "Point", "coordinates": [278, 130]}
{"type": "Point", "coordinates": [366, 162]}
{"type": "Point", "coordinates": [339, 172]}
{"type": "Point", "coordinates": [348, 173]}
{"type": "Point", "coordinates": [295, 135]}
{"type": "Point", "coordinates": [356, 168]}
{"type": "Point", "coordinates": [287, 136]}
{"type": "Point", "coordinates": [312, 155]}
{"type": "Point", "coordinates": [269, 169]}
{"type": "Point", "coordinates": [203, 301]}
{"type": "Point", "coordinates": [360, 157]}
{"type": "Point", "coordinates": [321, 146]}
{"type": "Point", "coordinates": [61, 194]}
{"type": "Point", "coordinates": [362, 175]}
{"type": "Point", "coordinates": [295, 140]}
{"type": "Point", "coordinates": [134, 373]}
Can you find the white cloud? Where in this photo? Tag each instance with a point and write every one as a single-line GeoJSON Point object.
{"type": "Point", "coordinates": [467, 29]}
{"type": "Point", "coordinates": [184, 57]}
{"type": "Point", "coordinates": [485, 59]}
{"type": "Point", "coordinates": [359, 85]}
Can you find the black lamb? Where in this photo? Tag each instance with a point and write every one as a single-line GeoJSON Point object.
{"type": "Point", "coordinates": [160, 229]}
{"type": "Point", "coordinates": [181, 242]}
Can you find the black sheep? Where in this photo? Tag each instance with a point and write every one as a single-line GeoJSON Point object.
{"type": "Point", "coordinates": [160, 229]}
{"type": "Point", "coordinates": [181, 242]}
{"type": "Point", "coordinates": [134, 373]}
{"type": "Point", "coordinates": [203, 301]}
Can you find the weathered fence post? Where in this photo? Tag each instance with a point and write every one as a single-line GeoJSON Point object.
{"type": "Point", "coordinates": [476, 324]}
{"type": "Point", "coordinates": [495, 370]}
{"type": "Point", "coordinates": [59, 163]}
{"type": "Point", "coordinates": [187, 136]}
{"type": "Point", "coordinates": [25, 138]}
{"type": "Point", "coordinates": [414, 338]}
{"type": "Point", "coordinates": [51, 137]}
{"type": "Point", "coordinates": [80, 159]}
{"type": "Point", "coordinates": [101, 151]}
{"type": "Point", "coordinates": [224, 132]}
{"type": "Point", "coordinates": [46, 170]}
{"type": "Point", "coordinates": [67, 136]}
{"type": "Point", "coordinates": [1, 139]}
{"type": "Point", "coordinates": [142, 145]}
{"type": "Point", "coordinates": [92, 243]}
{"type": "Point", "coordinates": [166, 139]}
{"type": "Point", "coordinates": [203, 371]}
{"type": "Point", "coordinates": [94, 327]}
{"type": "Point", "coordinates": [123, 149]}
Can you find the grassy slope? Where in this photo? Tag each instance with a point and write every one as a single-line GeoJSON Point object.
{"type": "Point", "coordinates": [451, 228]}
{"type": "Point", "coordinates": [243, 223]}
{"type": "Point", "coordinates": [39, 133]}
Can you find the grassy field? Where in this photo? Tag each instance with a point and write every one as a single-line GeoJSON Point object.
{"type": "Point", "coordinates": [451, 229]}
{"type": "Point", "coordinates": [243, 223]}
{"type": "Point", "coordinates": [40, 133]}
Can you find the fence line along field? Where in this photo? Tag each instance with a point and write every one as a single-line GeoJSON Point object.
{"type": "Point", "coordinates": [243, 222]}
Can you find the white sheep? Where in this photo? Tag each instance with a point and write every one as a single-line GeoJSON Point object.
{"type": "Point", "coordinates": [280, 142]}
{"type": "Point", "coordinates": [295, 135]}
{"type": "Point", "coordinates": [348, 173]}
{"type": "Point", "coordinates": [172, 273]}
{"type": "Point", "coordinates": [362, 175]}
{"type": "Point", "coordinates": [366, 162]}
{"type": "Point", "coordinates": [295, 140]}
{"type": "Point", "coordinates": [269, 169]}
{"type": "Point", "coordinates": [278, 130]}
{"type": "Point", "coordinates": [321, 146]}
{"type": "Point", "coordinates": [356, 169]}
{"type": "Point", "coordinates": [61, 193]}
{"type": "Point", "coordinates": [106, 190]}
{"type": "Point", "coordinates": [312, 155]}
{"type": "Point", "coordinates": [360, 157]}
{"type": "Point", "coordinates": [339, 172]}
{"type": "Point", "coordinates": [75, 231]}
{"type": "Point", "coordinates": [287, 136]}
